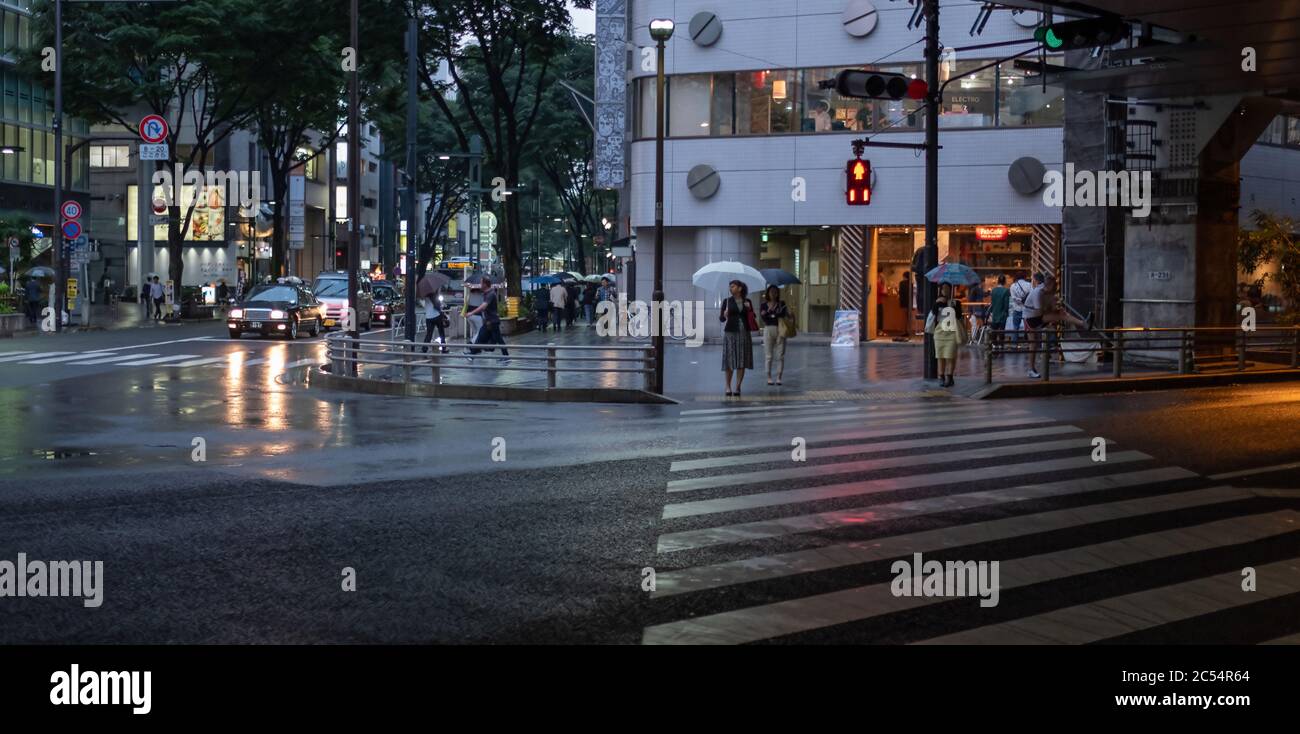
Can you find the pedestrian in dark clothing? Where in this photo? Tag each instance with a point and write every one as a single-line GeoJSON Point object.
{"type": "Point", "coordinates": [737, 344]}
{"type": "Point", "coordinates": [589, 303]}
{"type": "Point", "coordinates": [33, 293]}
{"type": "Point", "coordinates": [571, 305]}
{"type": "Point", "coordinates": [999, 309]}
{"type": "Point", "coordinates": [156, 293]}
{"type": "Point", "coordinates": [490, 333]}
{"type": "Point", "coordinates": [542, 306]}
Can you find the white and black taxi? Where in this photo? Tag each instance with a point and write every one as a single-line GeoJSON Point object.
{"type": "Point", "coordinates": [277, 308]}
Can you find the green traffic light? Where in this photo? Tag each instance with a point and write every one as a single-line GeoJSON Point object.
{"type": "Point", "coordinates": [1047, 36]}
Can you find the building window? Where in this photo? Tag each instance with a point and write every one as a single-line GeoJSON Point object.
{"type": "Point", "coordinates": [110, 156]}
{"type": "Point", "coordinates": [776, 101]}
{"type": "Point", "coordinates": [373, 167]}
{"type": "Point", "coordinates": [1023, 101]}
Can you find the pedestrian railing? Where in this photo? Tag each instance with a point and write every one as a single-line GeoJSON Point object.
{"type": "Point", "coordinates": [344, 352]}
{"type": "Point", "coordinates": [1172, 349]}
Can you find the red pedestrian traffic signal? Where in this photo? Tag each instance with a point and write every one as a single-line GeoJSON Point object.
{"type": "Point", "coordinates": [858, 191]}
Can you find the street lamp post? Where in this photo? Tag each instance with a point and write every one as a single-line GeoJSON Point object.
{"type": "Point", "coordinates": [660, 30]}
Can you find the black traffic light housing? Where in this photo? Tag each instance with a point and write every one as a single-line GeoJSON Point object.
{"type": "Point", "coordinates": [1086, 33]}
{"type": "Point", "coordinates": [875, 85]}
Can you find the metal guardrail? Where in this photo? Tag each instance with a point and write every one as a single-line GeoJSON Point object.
{"type": "Point", "coordinates": [1117, 342]}
{"type": "Point", "coordinates": [343, 351]}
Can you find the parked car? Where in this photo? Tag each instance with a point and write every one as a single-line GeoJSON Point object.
{"type": "Point", "coordinates": [277, 308]}
{"type": "Point", "coordinates": [389, 301]}
{"type": "Point", "coordinates": [331, 288]}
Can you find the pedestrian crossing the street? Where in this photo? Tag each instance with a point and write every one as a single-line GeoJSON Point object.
{"type": "Point", "coordinates": [802, 523]}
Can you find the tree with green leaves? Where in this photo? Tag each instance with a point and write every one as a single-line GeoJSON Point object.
{"type": "Point", "coordinates": [563, 150]}
{"type": "Point", "coordinates": [1272, 241]}
{"type": "Point", "coordinates": [498, 54]}
{"type": "Point", "coordinates": [196, 63]}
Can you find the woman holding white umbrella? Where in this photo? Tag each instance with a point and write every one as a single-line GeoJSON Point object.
{"type": "Point", "coordinates": [737, 345]}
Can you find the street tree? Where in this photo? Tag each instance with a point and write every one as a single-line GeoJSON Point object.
{"type": "Point", "coordinates": [563, 148]}
{"type": "Point", "coordinates": [498, 55]}
{"type": "Point", "coordinates": [197, 64]}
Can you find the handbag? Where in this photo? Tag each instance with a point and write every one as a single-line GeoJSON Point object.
{"type": "Point", "coordinates": [929, 323]}
{"type": "Point", "coordinates": [751, 321]}
{"type": "Point", "coordinates": [786, 328]}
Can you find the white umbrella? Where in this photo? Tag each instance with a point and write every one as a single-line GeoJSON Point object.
{"type": "Point", "coordinates": [715, 277]}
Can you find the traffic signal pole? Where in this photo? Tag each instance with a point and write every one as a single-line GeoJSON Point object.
{"type": "Point", "coordinates": [354, 196]}
{"type": "Point", "coordinates": [931, 369]}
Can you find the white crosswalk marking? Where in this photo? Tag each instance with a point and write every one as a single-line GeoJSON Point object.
{"type": "Point", "coordinates": [772, 558]}
{"type": "Point", "coordinates": [65, 358]}
{"type": "Point", "coordinates": [115, 358]}
{"type": "Point", "coordinates": [1121, 615]}
{"type": "Point", "coordinates": [11, 357]}
{"type": "Point", "coordinates": [198, 362]}
{"type": "Point", "coordinates": [158, 360]}
{"type": "Point", "coordinates": [869, 448]}
{"type": "Point", "coordinates": [911, 461]}
{"type": "Point", "coordinates": [862, 602]}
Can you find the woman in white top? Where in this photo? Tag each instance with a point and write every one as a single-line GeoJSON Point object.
{"type": "Point", "coordinates": [433, 318]}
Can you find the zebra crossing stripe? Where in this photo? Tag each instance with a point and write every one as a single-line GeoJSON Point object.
{"type": "Point", "coordinates": [864, 602]}
{"type": "Point", "coordinates": [52, 360]}
{"type": "Point", "coordinates": [114, 358]}
{"type": "Point", "coordinates": [198, 362]}
{"type": "Point", "coordinates": [1134, 612]}
{"type": "Point", "coordinates": [890, 484]}
{"type": "Point", "coordinates": [14, 357]}
{"type": "Point", "coordinates": [823, 558]}
{"type": "Point", "coordinates": [871, 448]}
{"type": "Point", "coordinates": [158, 360]}
{"type": "Point", "coordinates": [910, 461]}
{"type": "Point", "coordinates": [1287, 640]}
{"type": "Point", "coordinates": [713, 411]}
{"type": "Point", "coordinates": [832, 408]}
{"type": "Point", "coordinates": [892, 412]}
{"type": "Point", "coordinates": [727, 534]}
{"type": "Point", "coordinates": [879, 429]}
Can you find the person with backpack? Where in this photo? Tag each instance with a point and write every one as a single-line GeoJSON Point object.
{"type": "Point", "coordinates": [1020, 290]}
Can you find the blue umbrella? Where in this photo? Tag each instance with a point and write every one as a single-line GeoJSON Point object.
{"type": "Point", "coordinates": [779, 277]}
{"type": "Point", "coordinates": [954, 274]}
{"type": "Point", "coordinates": [546, 280]}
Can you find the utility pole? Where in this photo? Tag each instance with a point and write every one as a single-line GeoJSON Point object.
{"type": "Point", "coordinates": [354, 192]}
{"type": "Point", "coordinates": [931, 370]}
{"type": "Point", "coordinates": [412, 215]}
{"type": "Point", "coordinates": [60, 257]}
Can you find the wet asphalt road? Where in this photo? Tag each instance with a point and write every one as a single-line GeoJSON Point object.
{"type": "Point", "coordinates": [97, 461]}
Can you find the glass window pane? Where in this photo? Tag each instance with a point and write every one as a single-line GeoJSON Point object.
{"type": "Point", "coordinates": [1293, 131]}
{"type": "Point", "coordinates": [825, 110]}
{"type": "Point", "coordinates": [647, 108]}
{"type": "Point", "coordinates": [49, 159]}
{"type": "Point", "coordinates": [24, 100]}
{"type": "Point", "coordinates": [25, 155]}
{"type": "Point", "coordinates": [11, 31]}
{"type": "Point", "coordinates": [11, 160]}
{"type": "Point", "coordinates": [967, 102]}
{"type": "Point", "coordinates": [723, 96]}
{"type": "Point", "coordinates": [11, 96]}
{"type": "Point", "coordinates": [765, 102]}
{"type": "Point", "coordinates": [1022, 101]}
{"type": "Point", "coordinates": [689, 97]}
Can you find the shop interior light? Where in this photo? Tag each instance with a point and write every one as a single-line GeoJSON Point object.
{"type": "Point", "coordinates": [778, 89]}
